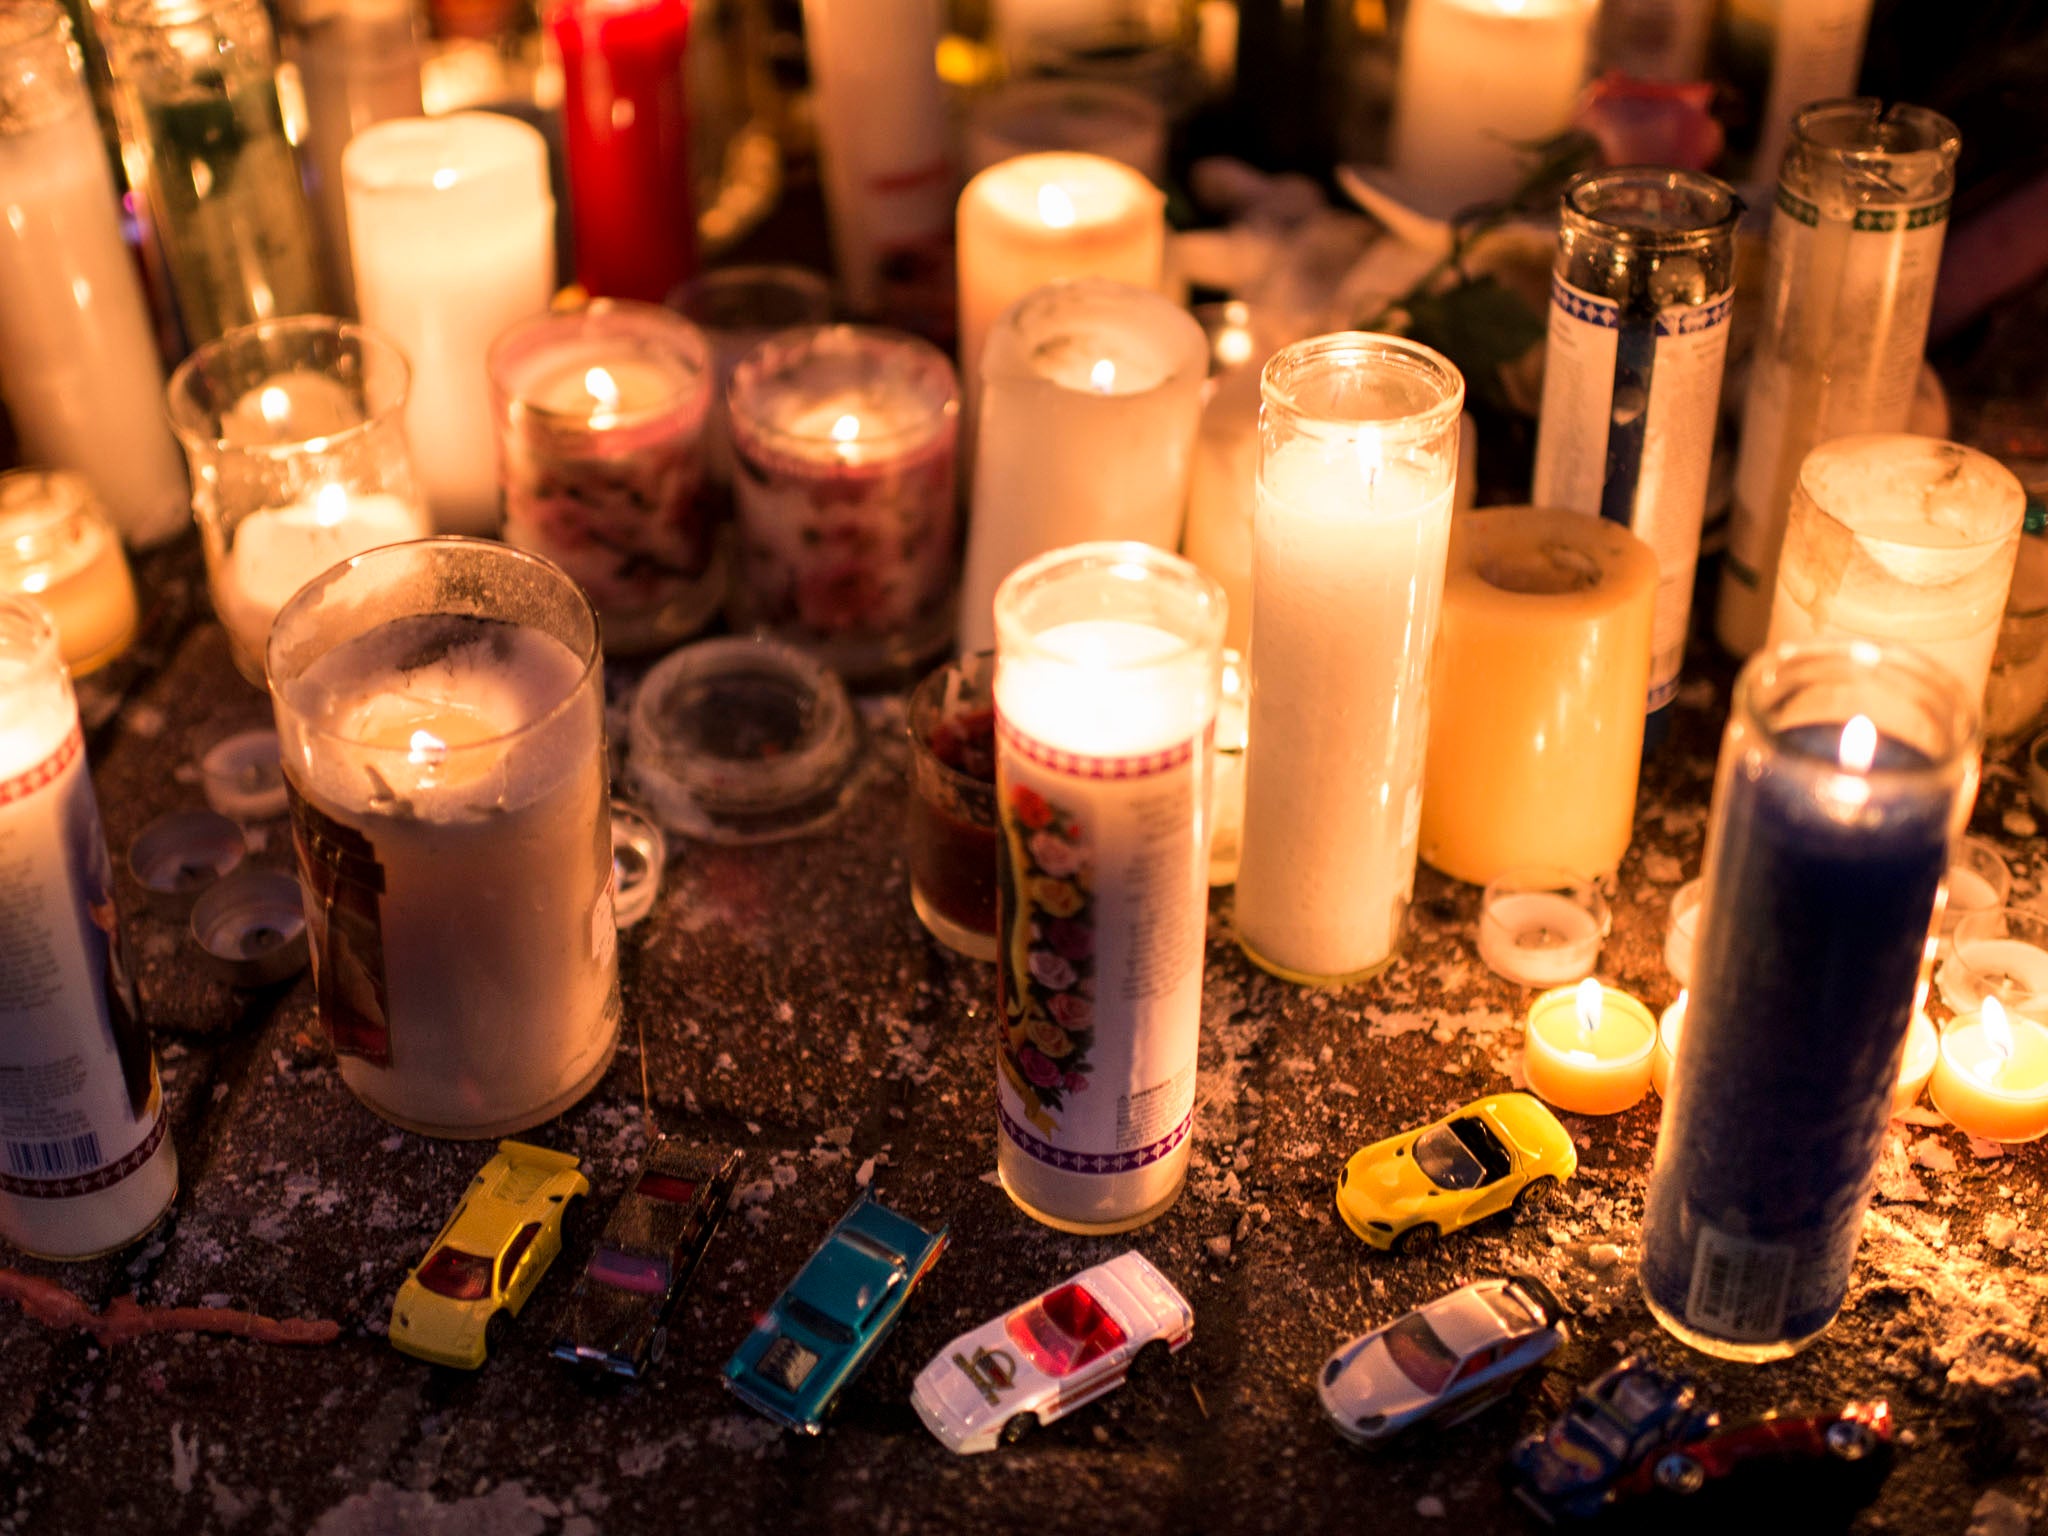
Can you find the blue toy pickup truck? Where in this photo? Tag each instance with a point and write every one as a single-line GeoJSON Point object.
{"type": "Point", "coordinates": [1569, 1471]}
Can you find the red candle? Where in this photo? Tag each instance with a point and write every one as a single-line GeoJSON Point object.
{"type": "Point", "coordinates": [627, 123]}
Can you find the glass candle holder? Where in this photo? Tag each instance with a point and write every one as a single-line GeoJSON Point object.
{"type": "Point", "coordinates": [1863, 203]}
{"type": "Point", "coordinates": [1025, 117]}
{"type": "Point", "coordinates": [738, 308]}
{"type": "Point", "coordinates": [1224, 476]}
{"type": "Point", "coordinates": [1664, 1060]}
{"type": "Point", "coordinates": [78, 358]}
{"type": "Point", "coordinates": [93, 1166]}
{"type": "Point", "coordinates": [953, 828]}
{"type": "Point", "coordinates": [2001, 953]}
{"type": "Point", "coordinates": [1979, 880]}
{"type": "Point", "coordinates": [1358, 447]}
{"type": "Point", "coordinates": [1091, 398]}
{"type": "Point", "coordinates": [1106, 675]}
{"type": "Point", "coordinates": [196, 91]}
{"type": "Point", "coordinates": [601, 417]}
{"type": "Point", "coordinates": [1641, 291]}
{"type": "Point", "coordinates": [1901, 539]}
{"type": "Point", "coordinates": [57, 547]}
{"type": "Point", "coordinates": [293, 429]}
{"type": "Point", "coordinates": [844, 440]}
{"type": "Point", "coordinates": [441, 710]}
{"type": "Point", "coordinates": [1542, 927]}
{"type": "Point", "coordinates": [1226, 785]}
{"type": "Point", "coordinates": [1844, 776]}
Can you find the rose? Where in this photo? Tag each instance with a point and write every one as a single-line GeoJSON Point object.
{"type": "Point", "coordinates": [1055, 896]}
{"type": "Point", "coordinates": [1050, 970]}
{"type": "Point", "coordinates": [1037, 1069]}
{"type": "Point", "coordinates": [1030, 807]}
{"type": "Point", "coordinates": [1651, 122]}
{"type": "Point", "coordinates": [1075, 1082]}
{"type": "Point", "coordinates": [1050, 1038]}
{"type": "Point", "coordinates": [1056, 858]}
{"type": "Point", "coordinates": [1072, 1010]}
{"type": "Point", "coordinates": [1069, 939]}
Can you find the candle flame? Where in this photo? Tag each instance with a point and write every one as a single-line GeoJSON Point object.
{"type": "Point", "coordinates": [425, 746]}
{"type": "Point", "coordinates": [1233, 346]}
{"type": "Point", "coordinates": [330, 506]}
{"type": "Point", "coordinates": [604, 389]}
{"type": "Point", "coordinates": [274, 403]}
{"type": "Point", "coordinates": [1055, 207]}
{"type": "Point", "coordinates": [1997, 1035]}
{"type": "Point", "coordinates": [1859, 745]}
{"type": "Point", "coordinates": [1371, 456]}
{"type": "Point", "coordinates": [1591, 1004]}
{"type": "Point", "coordinates": [846, 429]}
{"type": "Point", "coordinates": [1102, 377]}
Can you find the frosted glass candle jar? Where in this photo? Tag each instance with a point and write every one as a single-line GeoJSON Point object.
{"type": "Point", "coordinates": [844, 441]}
{"type": "Point", "coordinates": [78, 359]}
{"type": "Point", "coordinates": [1358, 447]}
{"type": "Point", "coordinates": [1542, 927]}
{"type": "Point", "coordinates": [1091, 396]}
{"type": "Point", "coordinates": [738, 308]}
{"type": "Point", "coordinates": [1223, 480]}
{"type": "Point", "coordinates": [601, 418]}
{"type": "Point", "coordinates": [452, 231]}
{"type": "Point", "coordinates": [1904, 540]}
{"type": "Point", "coordinates": [298, 461]}
{"type": "Point", "coordinates": [2002, 953]}
{"type": "Point", "coordinates": [57, 547]}
{"type": "Point", "coordinates": [441, 711]}
{"type": "Point", "coordinates": [1106, 669]}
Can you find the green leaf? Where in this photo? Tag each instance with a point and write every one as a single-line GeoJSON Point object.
{"type": "Point", "coordinates": [1479, 325]}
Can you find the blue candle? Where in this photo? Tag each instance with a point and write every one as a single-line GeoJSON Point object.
{"type": "Point", "coordinates": [1840, 781]}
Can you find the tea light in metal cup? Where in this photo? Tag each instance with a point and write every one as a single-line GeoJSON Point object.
{"type": "Point", "coordinates": [180, 854]}
{"type": "Point", "coordinates": [1542, 927]}
{"type": "Point", "coordinates": [1992, 1076]}
{"type": "Point", "coordinates": [639, 855]}
{"type": "Point", "coordinates": [243, 776]}
{"type": "Point", "coordinates": [1588, 1049]}
{"type": "Point", "coordinates": [1682, 934]}
{"type": "Point", "coordinates": [1978, 881]}
{"type": "Point", "coordinates": [2000, 953]}
{"type": "Point", "coordinates": [252, 925]}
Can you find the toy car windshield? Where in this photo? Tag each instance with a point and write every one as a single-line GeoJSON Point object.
{"type": "Point", "coordinates": [641, 1273]}
{"type": "Point", "coordinates": [457, 1275]}
{"type": "Point", "coordinates": [817, 1322]}
{"type": "Point", "coordinates": [1445, 1158]}
{"type": "Point", "coordinates": [1064, 1330]}
{"type": "Point", "coordinates": [1423, 1357]}
{"type": "Point", "coordinates": [665, 1186]}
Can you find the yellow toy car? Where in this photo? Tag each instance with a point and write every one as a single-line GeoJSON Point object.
{"type": "Point", "coordinates": [1505, 1150]}
{"type": "Point", "coordinates": [489, 1258]}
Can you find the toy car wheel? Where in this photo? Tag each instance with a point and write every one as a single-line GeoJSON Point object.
{"type": "Point", "coordinates": [572, 1212]}
{"type": "Point", "coordinates": [1539, 1194]}
{"type": "Point", "coordinates": [494, 1334]}
{"type": "Point", "coordinates": [1019, 1427]}
{"type": "Point", "coordinates": [1850, 1440]}
{"type": "Point", "coordinates": [1419, 1238]}
{"type": "Point", "coordinates": [1150, 1361]}
{"type": "Point", "coordinates": [1680, 1474]}
{"type": "Point", "coordinates": [657, 1347]}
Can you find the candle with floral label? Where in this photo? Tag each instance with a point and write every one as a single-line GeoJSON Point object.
{"type": "Point", "coordinates": [86, 1162]}
{"type": "Point", "coordinates": [1106, 677]}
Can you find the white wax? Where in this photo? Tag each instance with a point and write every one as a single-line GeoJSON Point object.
{"type": "Point", "coordinates": [1096, 686]}
{"type": "Point", "coordinates": [596, 383]}
{"type": "Point", "coordinates": [1538, 938]}
{"type": "Point", "coordinates": [2011, 969]}
{"type": "Point", "coordinates": [78, 358]}
{"type": "Point", "coordinates": [1347, 584]}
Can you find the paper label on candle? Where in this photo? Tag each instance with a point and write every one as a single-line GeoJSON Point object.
{"type": "Point", "coordinates": [1630, 406]}
{"type": "Point", "coordinates": [345, 931]}
{"type": "Point", "coordinates": [1740, 1288]}
{"type": "Point", "coordinates": [1099, 971]}
{"type": "Point", "coordinates": [80, 1106]}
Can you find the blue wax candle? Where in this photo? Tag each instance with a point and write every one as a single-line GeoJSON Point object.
{"type": "Point", "coordinates": [1821, 884]}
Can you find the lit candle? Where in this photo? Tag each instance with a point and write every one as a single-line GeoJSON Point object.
{"type": "Point", "coordinates": [1479, 79]}
{"type": "Point", "coordinates": [1541, 928]}
{"type": "Point", "coordinates": [1916, 1060]}
{"type": "Point", "coordinates": [1992, 1076]}
{"type": "Point", "coordinates": [56, 547]}
{"type": "Point", "coordinates": [1091, 397]}
{"type": "Point", "coordinates": [1587, 1049]}
{"type": "Point", "coordinates": [1226, 794]}
{"type": "Point", "coordinates": [1663, 1060]}
{"type": "Point", "coordinates": [2002, 952]}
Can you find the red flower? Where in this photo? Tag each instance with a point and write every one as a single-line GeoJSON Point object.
{"type": "Point", "coordinates": [1069, 939]}
{"type": "Point", "coordinates": [1651, 122]}
{"type": "Point", "coordinates": [1038, 1068]}
{"type": "Point", "coordinates": [1031, 807]}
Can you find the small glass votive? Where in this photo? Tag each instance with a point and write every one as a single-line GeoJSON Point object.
{"type": "Point", "coordinates": [180, 854]}
{"type": "Point", "coordinates": [1978, 881]}
{"type": "Point", "coordinates": [639, 855]}
{"type": "Point", "coordinates": [1589, 1049]}
{"type": "Point", "coordinates": [57, 547]}
{"type": "Point", "coordinates": [295, 434]}
{"type": "Point", "coordinates": [1226, 781]}
{"type": "Point", "coordinates": [743, 741]}
{"type": "Point", "coordinates": [601, 414]}
{"type": "Point", "coordinates": [2001, 953]}
{"type": "Point", "coordinates": [244, 776]}
{"type": "Point", "coordinates": [953, 831]}
{"type": "Point", "coordinates": [252, 927]}
{"type": "Point", "coordinates": [738, 308]}
{"type": "Point", "coordinates": [844, 441]}
{"type": "Point", "coordinates": [1682, 931]}
{"type": "Point", "coordinates": [1542, 927]}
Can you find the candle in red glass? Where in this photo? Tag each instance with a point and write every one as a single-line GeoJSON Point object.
{"type": "Point", "coordinates": [627, 124]}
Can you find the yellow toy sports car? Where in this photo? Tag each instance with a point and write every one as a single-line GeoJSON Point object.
{"type": "Point", "coordinates": [1500, 1151]}
{"type": "Point", "coordinates": [489, 1258]}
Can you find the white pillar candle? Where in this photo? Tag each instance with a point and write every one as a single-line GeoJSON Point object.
{"type": "Point", "coordinates": [78, 358]}
{"type": "Point", "coordinates": [1091, 397]}
{"type": "Point", "coordinates": [1039, 219]}
{"type": "Point", "coordinates": [1477, 80]}
{"type": "Point", "coordinates": [85, 1156]}
{"type": "Point", "coordinates": [452, 230]}
{"type": "Point", "coordinates": [1359, 445]}
{"type": "Point", "coordinates": [57, 548]}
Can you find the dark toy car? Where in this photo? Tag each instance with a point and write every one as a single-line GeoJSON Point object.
{"type": "Point", "coordinates": [1614, 1425]}
{"type": "Point", "coordinates": [1813, 1471]}
{"type": "Point", "coordinates": [618, 1315]}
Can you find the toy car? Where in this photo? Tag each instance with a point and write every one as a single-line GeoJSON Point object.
{"type": "Point", "coordinates": [618, 1315]}
{"type": "Point", "coordinates": [1061, 1349]}
{"type": "Point", "coordinates": [1444, 1361]}
{"type": "Point", "coordinates": [1503, 1150]}
{"type": "Point", "coordinates": [489, 1257]}
{"type": "Point", "coordinates": [834, 1315]}
{"type": "Point", "coordinates": [1815, 1472]}
{"type": "Point", "coordinates": [1570, 1471]}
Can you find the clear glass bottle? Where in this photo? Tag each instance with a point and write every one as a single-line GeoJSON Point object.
{"type": "Point", "coordinates": [196, 90]}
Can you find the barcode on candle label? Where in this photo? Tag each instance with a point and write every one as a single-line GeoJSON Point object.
{"type": "Point", "coordinates": [1739, 1287]}
{"type": "Point", "coordinates": [53, 1159]}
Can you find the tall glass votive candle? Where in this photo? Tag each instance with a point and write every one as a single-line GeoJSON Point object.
{"type": "Point", "coordinates": [1224, 477]}
{"type": "Point", "coordinates": [1903, 539]}
{"type": "Point", "coordinates": [738, 308]}
{"type": "Point", "coordinates": [1358, 450]}
{"type": "Point", "coordinates": [452, 232]}
{"type": "Point", "coordinates": [1845, 773]}
{"type": "Point", "coordinates": [78, 359]}
{"type": "Point", "coordinates": [626, 120]}
{"type": "Point", "coordinates": [1106, 675]}
{"type": "Point", "coordinates": [196, 91]}
{"type": "Point", "coordinates": [601, 416]}
{"type": "Point", "coordinates": [953, 824]}
{"type": "Point", "coordinates": [57, 548]}
{"type": "Point", "coordinates": [298, 462]}
{"type": "Point", "coordinates": [1091, 398]}
{"type": "Point", "coordinates": [844, 442]}
{"type": "Point", "coordinates": [440, 706]}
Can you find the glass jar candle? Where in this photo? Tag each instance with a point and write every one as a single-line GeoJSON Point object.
{"type": "Point", "coordinates": [57, 547]}
{"type": "Point", "coordinates": [953, 828]}
{"type": "Point", "coordinates": [844, 442]}
{"type": "Point", "coordinates": [1358, 450]}
{"type": "Point", "coordinates": [738, 308]}
{"type": "Point", "coordinates": [601, 418]}
{"type": "Point", "coordinates": [298, 461]}
{"type": "Point", "coordinates": [1106, 675]}
{"type": "Point", "coordinates": [440, 706]}
{"type": "Point", "coordinates": [196, 89]}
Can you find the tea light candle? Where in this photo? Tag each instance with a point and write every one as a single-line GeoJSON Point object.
{"type": "Point", "coordinates": [1682, 933]}
{"type": "Point", "coordinates": [1664, 1059]}
{"type": "Point", "coordinates": [1477, 80]}
{"type": "Point", "coordinates": [1978, 881]}
{"type": "Point", "coordinates": [1042, 218]}
{"type": "Point", "coordinates": [56, 547]}
{"type": "Point", "coordinates": [1541, 928]}
{"type": "Point", "coordinates": [1091, 398]}
{"type": "Point", "coordinates": [2002, 952]}
{"type": "Point", "coordinates": [1992, 1076]}
{"type": "Point", "coordinates": [1587, 1049]}
{"type": "Point", "coordinates": [244, 776]}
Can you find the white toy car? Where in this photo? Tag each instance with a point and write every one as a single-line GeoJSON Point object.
{"type": "Point", "coordinates": [1443, 1362]}
{"type": "Point", "coordinates": [1041, 1361]}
